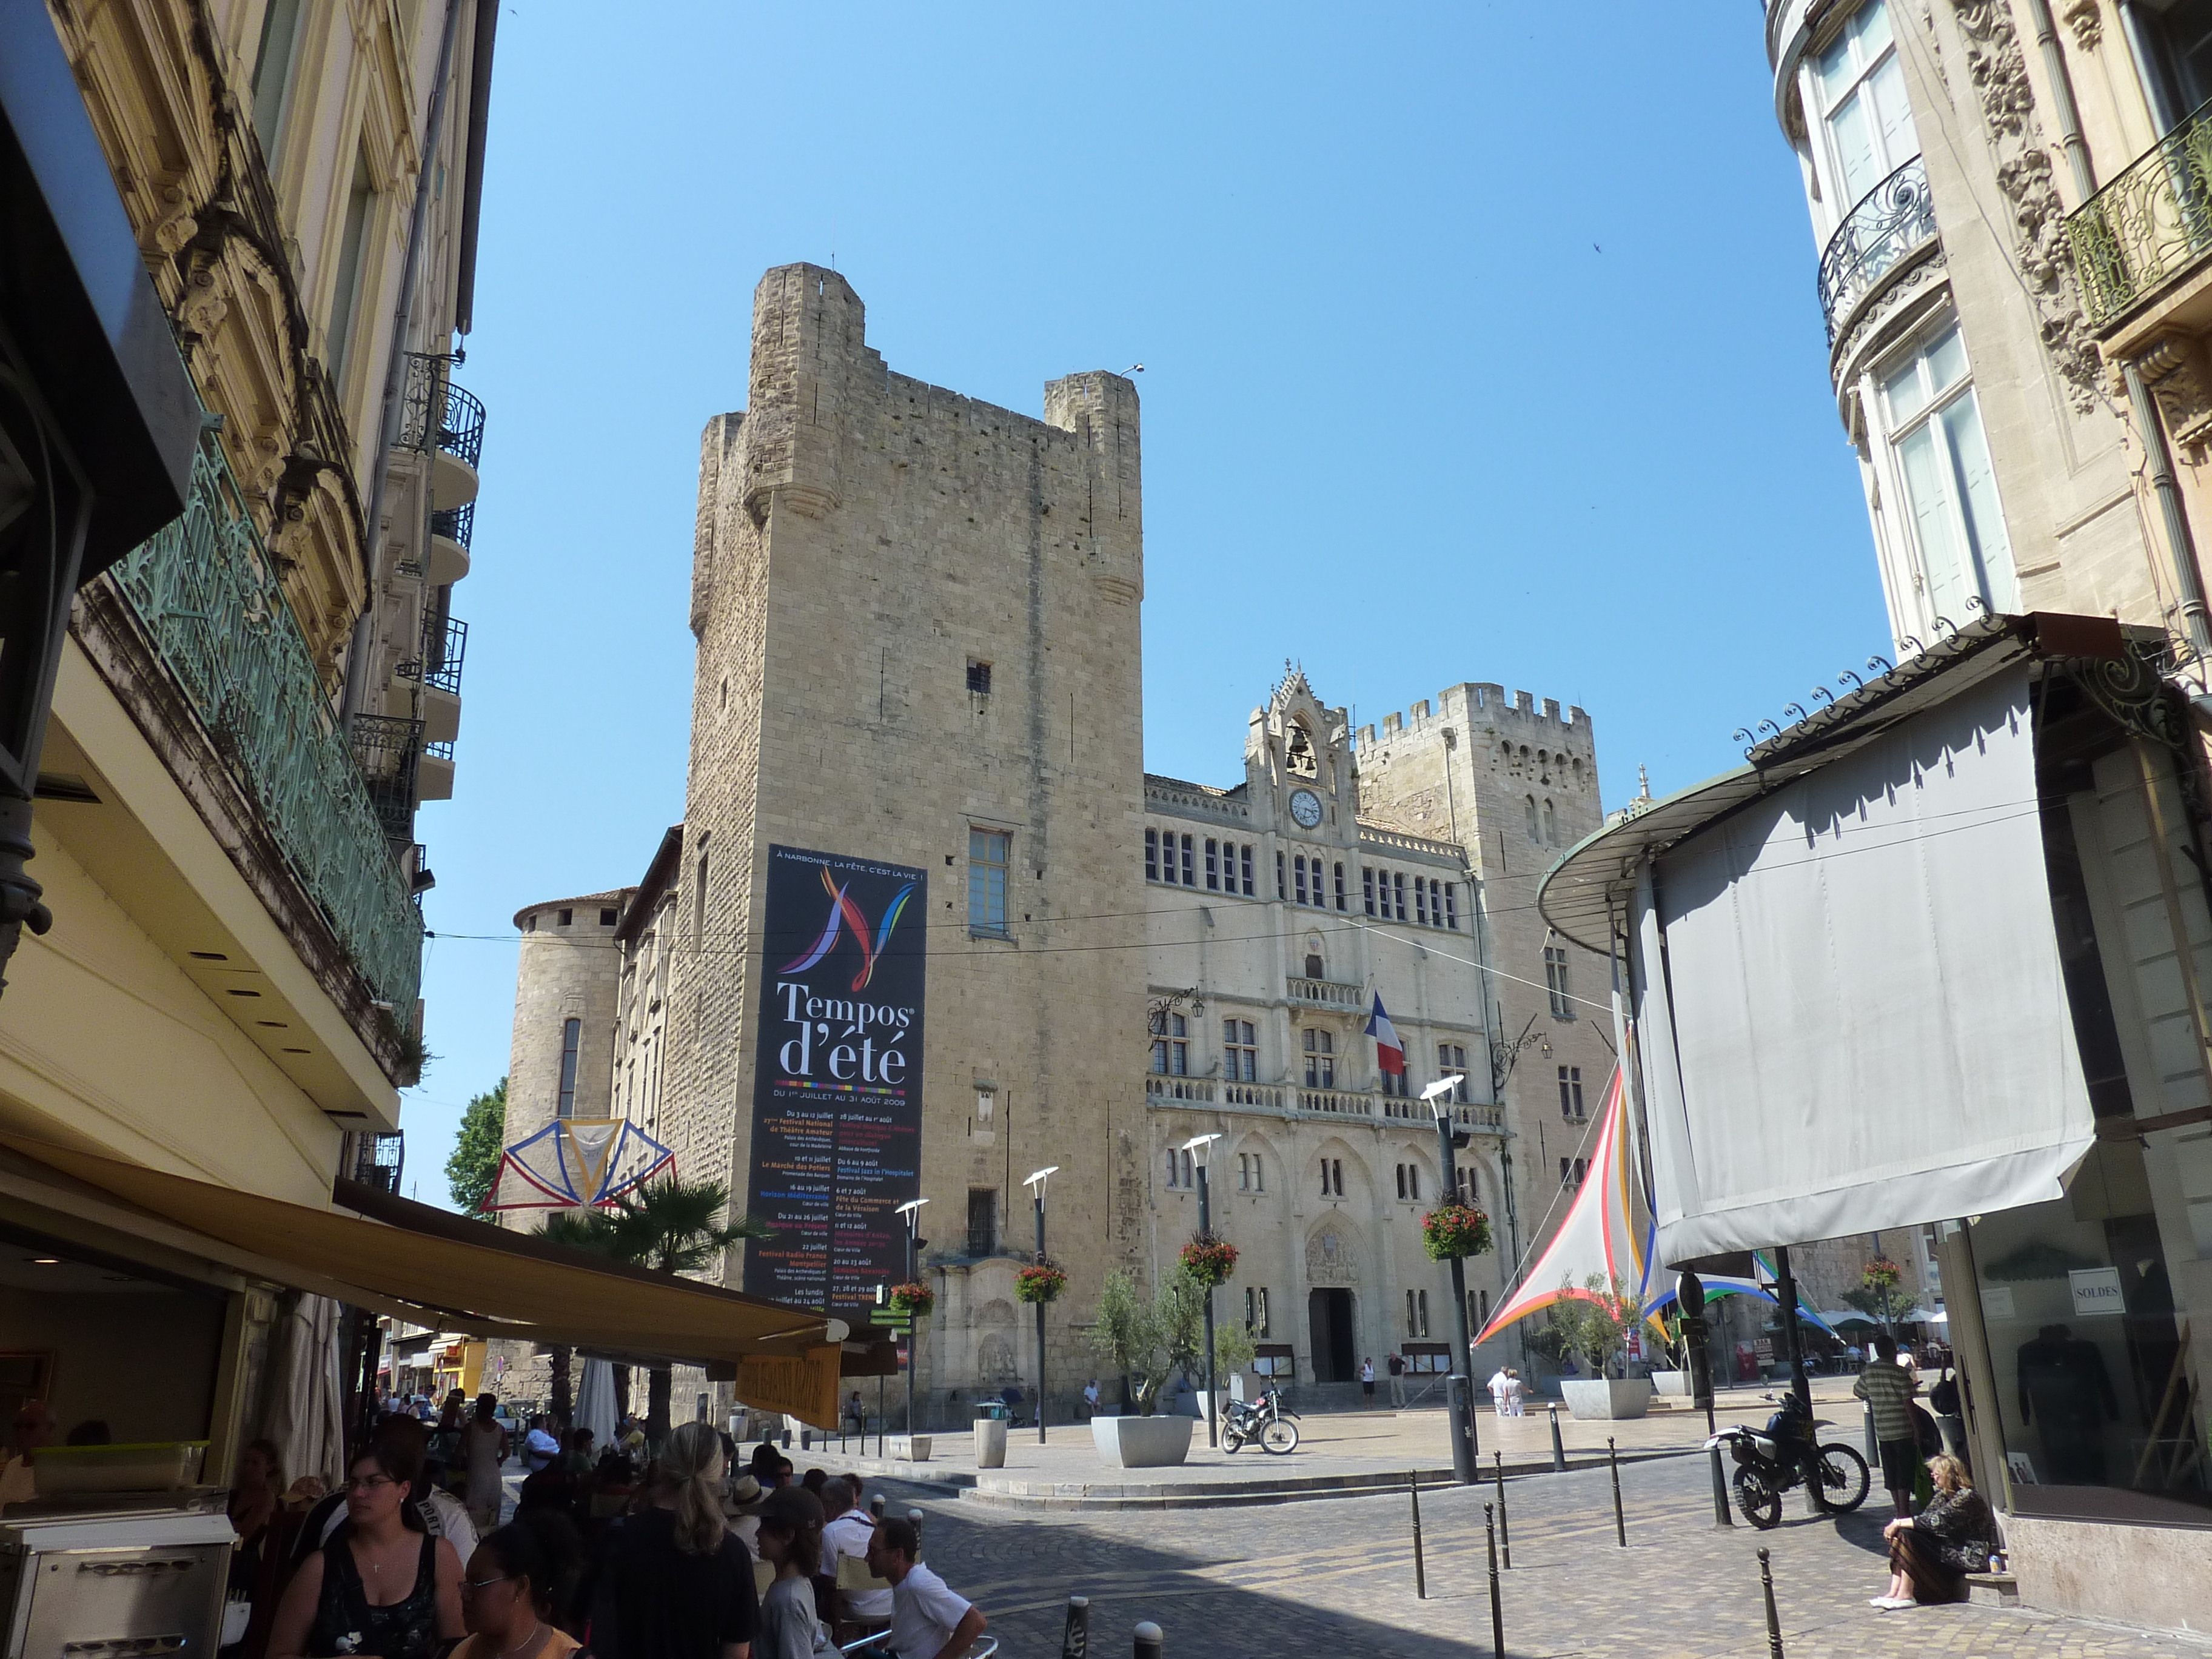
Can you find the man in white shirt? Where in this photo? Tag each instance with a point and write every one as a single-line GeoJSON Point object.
{"type": "Point", "coordinates": [929, 1621]}
{"type": "Point", "coordinates": [847, 1534]}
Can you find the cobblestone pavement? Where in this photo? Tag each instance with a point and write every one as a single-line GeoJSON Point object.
{"type": "Point", "coordinates": [1335, 1576]}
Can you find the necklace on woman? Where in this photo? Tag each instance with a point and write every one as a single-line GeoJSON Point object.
{"type": "Point", "coordinates": [524, 1645]}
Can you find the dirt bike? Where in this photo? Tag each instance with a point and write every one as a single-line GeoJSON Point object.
{"type": "Point", "coordinates": [1266, 1420]}
{"type": "Point", "coordinates": [1789, 1453]}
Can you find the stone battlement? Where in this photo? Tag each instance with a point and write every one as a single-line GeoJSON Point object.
{"type": "Point", "coordinates": [1483, 703]}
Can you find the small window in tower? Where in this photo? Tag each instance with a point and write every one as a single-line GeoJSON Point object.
{"type": "Point", "coordinates": [979, 677]}
{"type": "Point", "coordinates": [568, 918]}
{"type": "Point", "coordinates": [606, 918]}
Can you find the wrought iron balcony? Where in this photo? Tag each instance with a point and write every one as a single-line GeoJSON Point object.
{"type": "Point", "coordinates": [445, 642]}
{"type": "Point", "coordinates": [1890, 222]}
{"type": "Point", "coordinates": [439, 415]}
{"type": "Point", "coordinates": [455, 523]}
{"type": "Point", "coordinates": [206, 591]}
{"type": "Point", "coordinates": [384, 747]}
{"type": "Point", "coordinates": [2152, 222]}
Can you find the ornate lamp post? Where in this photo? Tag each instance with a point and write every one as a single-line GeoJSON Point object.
{"type": "Point", "coordinates": [1459, 1387]}
{"type": "Point", "coordinates": [912, 1211]}
{"type": "Point", "coordinates": [1198, 1147]}
{"type": "Point", "coordinates": [1036, 1183]}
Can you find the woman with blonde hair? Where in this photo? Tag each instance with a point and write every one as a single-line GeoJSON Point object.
{"type": "Point", "coordinates": [1930, 1553]}
{"type": "Point", "coordinates": [676, 1583]}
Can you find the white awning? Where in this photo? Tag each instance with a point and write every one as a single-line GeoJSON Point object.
{"type": "Point", "coordinates": [1850, 994]}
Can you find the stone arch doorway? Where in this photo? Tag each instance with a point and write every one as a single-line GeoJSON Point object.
{"type": "Point", "coordinates": [1330, 1327]}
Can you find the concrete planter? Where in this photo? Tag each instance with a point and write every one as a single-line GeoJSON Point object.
{"type": "Point", "coordinates": [914, 1447]}
{"type": "Point", "coordinates": [990, 1443]}
{"type": "Point", "coordinates": [1671, 1382]}
{"type": "Point", "coordinates": [1606, 1401]}
{"type": "Point", "coordinates": [1142, 1442]}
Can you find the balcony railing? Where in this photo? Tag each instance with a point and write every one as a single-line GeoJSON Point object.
{"type": "Point", "coordinates": [1327, 993]}
{"type": "Point", "coordinates": [2148, 225]}
{"type": "Point", "coordinates": [445, 643]}
{"type": "Point", "coordinates": [207, 596]}
{"type": "Point", "coordinates": [385, 748]}
{"type": "Point", "coordinates": [1331, 1100]}
{"type": "Point", "coordinates": [438, 414]}
{"type": "Point", "coordinates": [455, 523]}
{"type": "Point", "coordinates": [1890, 222]}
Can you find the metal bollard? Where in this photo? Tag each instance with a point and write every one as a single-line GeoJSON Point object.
{"type": "Point", "coordinates": [1505, 1532]}
{"type": "Point", "coordinates": [915, 1518]}
{"type": "Point", "coordinates": [1721, 1517]}
{"type": "Point", "coordinates": [1420, 1573]}
{"type": "Point", "coordinates": [1620, 1523]}
{"type": "Point", "coordinates": [1152, 1641]}
{"type": "Point", "coordinates": [1559, 1446]}
{"type": "Point", "coordinates": [1075, 1643]}
{"type": "Point", "coordinates": [1773, 1619]}
{"type": "Point", "coordinates": [1497, 1604]}
{"type": "Point", "coordinates": [875, 1506]}
{"type": "Point", "coordinates": [1873, 1446]}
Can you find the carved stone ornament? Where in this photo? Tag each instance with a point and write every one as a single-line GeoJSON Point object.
{"type": "Point", "coordinates": [1998, 69]}
{"type": "Point", "coordinates": [1330, 1258]}
{"type": "Point", "coordinates": [2085, 20]}
{"type": "Point", "coordinates": [2173, 366]}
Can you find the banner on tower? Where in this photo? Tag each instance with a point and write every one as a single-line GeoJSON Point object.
{"type": "Point", "coordinates": [837, 1140]}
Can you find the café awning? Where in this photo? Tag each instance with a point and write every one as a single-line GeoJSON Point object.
{"type": "Point", "coordinates": [452, 1273]}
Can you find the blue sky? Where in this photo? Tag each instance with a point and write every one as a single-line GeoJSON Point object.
{"type": "Point", "coordinates": [1481, 343]}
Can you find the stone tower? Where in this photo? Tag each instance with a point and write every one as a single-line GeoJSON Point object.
{"type": "Point", "coordinates": [561, 1063]}
{"type": "Point", "coordinates": [918, 627]}
{"type": "Point", "coordinates": [1513, 784]}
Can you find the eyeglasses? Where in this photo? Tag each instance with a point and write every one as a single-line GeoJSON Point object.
{"type": "Point", "coordinates": [486, 1584]}
{"type": "Point", "coordinates": [370, 1483]}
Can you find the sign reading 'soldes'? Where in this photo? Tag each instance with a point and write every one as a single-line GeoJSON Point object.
{"type": "Point", "coordinates": [837, 1079]}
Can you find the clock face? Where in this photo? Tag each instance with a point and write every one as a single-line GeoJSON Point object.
{"type": "Point", "coordinates": [1305, 807]}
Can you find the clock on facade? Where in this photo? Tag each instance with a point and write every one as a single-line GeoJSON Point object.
{"type": "Point", "coordinates": [1305, 807]}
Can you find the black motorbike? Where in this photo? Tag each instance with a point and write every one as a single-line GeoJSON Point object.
{"type": "Point", "coordinates": [1266, 1420]}
{"type": "Point", "coordinates": [1791, 1453]}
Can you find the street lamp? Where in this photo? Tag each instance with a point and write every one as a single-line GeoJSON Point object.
{"type": "Point", "coordinates": [1037, 1183]}
{"type": "Point", "coordinates": [1199, 1144]}
{"type": "Point", "coordinates": [912, 1211]}
{"type": "Point", "coordinates": [1459, 1387]}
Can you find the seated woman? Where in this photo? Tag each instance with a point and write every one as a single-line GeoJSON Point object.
{"type": "Point", "coordinates": [1930, 1553]}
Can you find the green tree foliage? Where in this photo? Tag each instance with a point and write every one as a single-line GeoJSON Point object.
{"type": "Point", "coordinates": [1234, 1348]}
{"type": "Point", "coordinates": [1596, 1323]}
{"type": "Point", "coordinates": [474, 1165]}
{"type": "Point", "coordinates": [669, 1226]}
{"type": "Point", "coordinates": [1149, 1341]}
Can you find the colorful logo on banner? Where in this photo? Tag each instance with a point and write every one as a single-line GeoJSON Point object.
{"type": "Point", "coordinates": [844, 913]}
{"type": "Point", "coordinates": [576, 1162]}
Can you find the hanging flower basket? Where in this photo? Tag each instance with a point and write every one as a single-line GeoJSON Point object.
{"type": "Point", "coordinates": [1209, 1260]}
{"type": "Point", "coordinates": [1451, 1231]}
{"type": "Point", "coordinates": [1041, 1283]}
{"type": "Point", "coordinates": [913, 1297]}
{"type": "Point", "coordinates": [1883, 1274]}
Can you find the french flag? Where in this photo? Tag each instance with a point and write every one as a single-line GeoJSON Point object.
{"type": "Point", "coordinates": [1390, 1053]}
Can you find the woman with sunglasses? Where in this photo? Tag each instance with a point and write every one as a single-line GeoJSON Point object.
{"type": "Point", "coordinates": [382, 1587]}
{"type": "Point", "coordinates": [509, 1589]}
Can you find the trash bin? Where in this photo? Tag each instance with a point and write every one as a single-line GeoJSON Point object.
{"type": "Point", "coordinates": [990, 1442]}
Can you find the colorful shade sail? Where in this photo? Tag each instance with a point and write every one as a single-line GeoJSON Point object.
{"type": "Point", "coordinates": [1601, 1235]}
{"type": "Point", "coordinates": [1720, 1285]}
{"type": "Point", "coordinates": [575, 1162]}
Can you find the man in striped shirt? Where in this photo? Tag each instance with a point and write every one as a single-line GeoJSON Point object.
{"type": "Point", "coordinates": [1888, 1388]}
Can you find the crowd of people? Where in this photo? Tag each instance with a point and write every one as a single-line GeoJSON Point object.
{"type": "Point", "coordinates": [621, 1553]}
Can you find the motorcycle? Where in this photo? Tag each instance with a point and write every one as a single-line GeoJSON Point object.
{"type": "Point", "coordinates": [1791, 1453]}
{"type": "Point", "coordinates": [1266, 1420]}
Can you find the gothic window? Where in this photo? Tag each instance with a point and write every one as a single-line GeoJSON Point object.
{"type": "Point", "coordinates": [1451, 1059]}
{"type": "Point", "coordinates": [1421, 900]}
{"type": "Point", "coordinates": [1245, 859]}
{"type": "Point", "coordinates": [1189, 863]}
{"type": "Point", "coordinates": [1398, 888]}
{"type": "Point", "coordinates": [1551, 826]}
{"type": "Point", "coordinates": [1170, 1049]}
{"type": "Point", "coordinates": [979, 677]}
{"type": "Point", "coordinates": [1151, 855]}
{"type": "Point", "coordinates": [1555, 981]}
{"type": "Point", "coordinates": [1572, 1171]}
{"type": "Point", "coordinates": [1298, 867]}
{"type": "Point", "coordinates": [1367, 888]}
{"type": "Point", "coordinates": [1535, 831]}
{"type": "Point", "coordinates": [1451, 904]}
{"type": "Point", "coordinates": [1282, 882]}
{"type": "Point", "coordinates": [1316, 968]}
{"type": "Point", "coordinates": [1240, 1055]}
{"type": "Point", "coordinates": [1339, 887]}
{"type": "Point", "coordinates": [1331, 1177]}
{"type": "Point", "coordinates": [1571, 1093]}
{"type": "Point", "coordinates": [1397, 1084]}
{"type": "Point", "coordinates": [1299, 755]}
{"type": "Point", "coordinates": [1321, 1059]}
{"type": "Point", "coordinates": [572, 1037]}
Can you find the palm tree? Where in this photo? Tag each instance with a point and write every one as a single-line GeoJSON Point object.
{"type": "Point", "coordinates": [670, 1226]}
